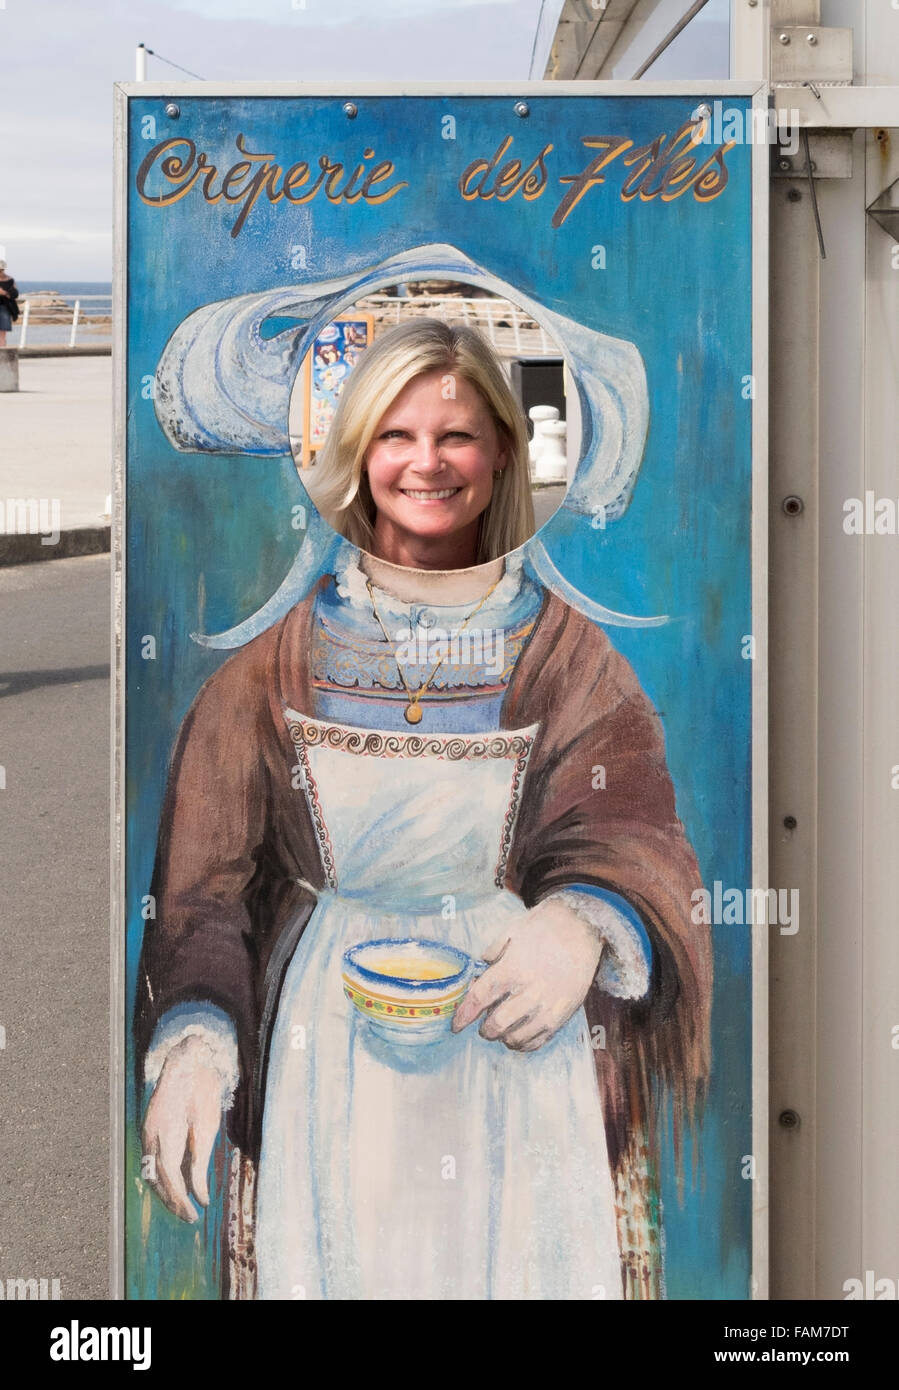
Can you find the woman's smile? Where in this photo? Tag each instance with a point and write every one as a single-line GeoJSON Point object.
{"type": "Point", "coordinates": [430, 495]}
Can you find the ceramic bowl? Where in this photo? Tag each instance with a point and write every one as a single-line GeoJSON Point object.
{"type": "Point", "coordinates": [408, 989]}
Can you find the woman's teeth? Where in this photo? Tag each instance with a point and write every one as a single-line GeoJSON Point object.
{"type": "Point", "coordinates": [430, 496]}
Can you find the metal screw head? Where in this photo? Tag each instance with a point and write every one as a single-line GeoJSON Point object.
{"type": "Point", "coordinates": [812, 39]}
{"type": "Point", "coordinates": [350, 110]}
{"type": "Point", "coordinates": [790, 822]}
{"type": "Point", "coordinates": [522, 109]}
{"type": "Point", "coordinates": [172, 110]}
{"type": "Point", "coordinates": [784, 165]}
{"type": "Point", "coordinates": [752, 3]}
{"type": "Point", "coordinates": [793, 505]}
{"type": "Point", "coordinates": [784, 38]}
{"type": "Point", "coordinates": [793, 195]}
{"type": "Point", "coordinates": [789, 1119]}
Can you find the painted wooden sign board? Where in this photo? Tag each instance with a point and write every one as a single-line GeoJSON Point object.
{"type": "Point", "coordinates": [598, 788]}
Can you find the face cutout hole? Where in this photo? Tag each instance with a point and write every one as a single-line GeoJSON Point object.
{"type": "Point", "coordinates": [402, 434]}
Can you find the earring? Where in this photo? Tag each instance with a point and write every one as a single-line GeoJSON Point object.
{"type": "Point", "coordinates": [497, 472]}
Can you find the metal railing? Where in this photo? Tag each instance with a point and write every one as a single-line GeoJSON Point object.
{"type": "Point", "coordinates": [40, 312]}
{"type": "Point", "coordinates": [512, 332]}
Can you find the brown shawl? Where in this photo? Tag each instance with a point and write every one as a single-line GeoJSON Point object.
{"type": "Point", "coordinates": [237, 846]}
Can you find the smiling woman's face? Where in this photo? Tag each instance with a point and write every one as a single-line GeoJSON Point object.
{"type": "Point", "coordinates": [430, 469]}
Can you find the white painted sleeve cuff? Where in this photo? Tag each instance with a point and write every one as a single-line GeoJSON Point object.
{"type": "Point", "coordinates": [623, 967]}
{"type": "Point", "coordinates": [213, 1027]}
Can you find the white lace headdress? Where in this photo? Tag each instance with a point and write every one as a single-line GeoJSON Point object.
{"type": "Point", "coordinates": [221, 387]}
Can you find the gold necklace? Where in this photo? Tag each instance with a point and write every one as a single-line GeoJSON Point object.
{"type": "Point", "coordinates": [413, 711]}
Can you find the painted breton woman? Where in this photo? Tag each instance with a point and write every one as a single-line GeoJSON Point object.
{"type": "Point", "coordinates": [351, 775]}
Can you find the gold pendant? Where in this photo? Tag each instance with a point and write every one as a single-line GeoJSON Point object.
{"type": "Point", "coordinates": [413, 714]}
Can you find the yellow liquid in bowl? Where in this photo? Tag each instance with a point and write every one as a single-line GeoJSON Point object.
{"type": "Point", "coordinates": [404, 969]}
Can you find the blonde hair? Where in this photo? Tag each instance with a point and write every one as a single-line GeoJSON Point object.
{"type": "Point", "coordinates": [409, 350]}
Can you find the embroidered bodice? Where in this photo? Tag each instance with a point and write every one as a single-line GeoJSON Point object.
{"type": "Point", "coordinates": [356, 672]}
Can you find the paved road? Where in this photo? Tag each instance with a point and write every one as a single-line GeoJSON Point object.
{"type": "Point", "coordinates": [54, 916]}
{"type": "Point", "coordinates": [57, 438]}
{"type": "Point", "coordinates": [546, 501]}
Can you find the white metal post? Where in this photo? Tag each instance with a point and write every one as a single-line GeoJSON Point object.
{"type": "Point", "coordinates": [750, 27]}
{"type": "Point", "coordinates": [793, 729]}
{"type": "Point", "coordinates": [834, 772]}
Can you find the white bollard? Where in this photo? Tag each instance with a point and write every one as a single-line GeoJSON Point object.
{"type": "Point", "coordinates": [551, 464]}
{"type": "Point", "coordinates": [540, 416]}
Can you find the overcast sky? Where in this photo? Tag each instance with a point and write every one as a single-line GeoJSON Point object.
{"type": "Point", "coordinates": [60, 59]}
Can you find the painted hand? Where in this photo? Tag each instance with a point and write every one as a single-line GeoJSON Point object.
{"type": "Point", "coordinates": [181, 1123]}
{"type": "Point", "coordinates": [541, 969]}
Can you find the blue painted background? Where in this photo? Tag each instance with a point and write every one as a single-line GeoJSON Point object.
{"type": "Point", "coordinates": [209, 537]}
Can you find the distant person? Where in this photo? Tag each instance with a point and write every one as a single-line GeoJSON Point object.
{"type": "Point", "coordinates": [9, 309]}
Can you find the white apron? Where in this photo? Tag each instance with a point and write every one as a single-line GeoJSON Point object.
{"type": "Point", "coordinates": [455, 1170]}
